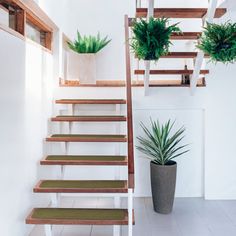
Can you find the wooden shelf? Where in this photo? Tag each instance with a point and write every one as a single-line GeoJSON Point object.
{"type": "Point", "coordinates": [179, 12]}
{"type": "Point", "coordinates": [182, 55]}
{"type": "Point", "coordinates": [186, 36]}
{"type": "Point", "coordinates": [135, 83]}
{"type": "Point", "coordinates": [170, 72]}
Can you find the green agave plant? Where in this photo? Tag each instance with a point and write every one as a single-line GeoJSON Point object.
{"type": "Point", "coordinates": [219, 41]}
{"type": "Point", "coordinates": [88, 44]}
{"type": "Point", "coordinates": [151, 38]}
{"type": "Point", "coordinates": [160, 144]}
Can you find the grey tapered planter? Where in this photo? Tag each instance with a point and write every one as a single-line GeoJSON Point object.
{"type": "Point", "coordinates": [163, 181]}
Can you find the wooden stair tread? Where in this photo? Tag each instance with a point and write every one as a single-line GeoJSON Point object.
{"type": "Point", "coordinates": [76, 216]}
{"type": "Point", "coordinates": [182, 55]}
{"type": "Point", "coordinates": [81, 186]}
{"type": "Point", "coordinates": [88, 118]}
{"type": "Point", "coordinates": [91, 101]}
{"type": "Point", "coordinates": [169, 72]}
{"type": "Point", "coordinates": [179, 12]}
{"type": "Point", "coordinates": [84, 160]}
{"type": "Point", "coordinates": [186, 36]}
{"type": "Point", "coordinates": [87, 138]}
{"type": "Point", "coordinates": [135, 83]}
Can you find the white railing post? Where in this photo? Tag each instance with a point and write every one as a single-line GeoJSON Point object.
{"type": "Point", "coordinates": [200, 56]}
{"type": "Point", "coordinates": [48, 230]}
{"type": "Point", "coordinates": [130, 212]}
{"type": "Point", "coordinates": [146, 77]}
{"type": "Point", "coordinates": [147, 63]}
{"type": "Point", "coordinates": [150, 8]}
{"type": "Point", "coordinates": [138, 3]}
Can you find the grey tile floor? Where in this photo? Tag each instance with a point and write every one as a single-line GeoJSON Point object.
{"type": "Point", "coordinates": [190, 217]}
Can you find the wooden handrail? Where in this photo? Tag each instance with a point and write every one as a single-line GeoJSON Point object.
{"type": "Point", "coordinates": [129, 107]}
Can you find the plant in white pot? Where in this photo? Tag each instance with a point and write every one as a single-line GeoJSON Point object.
{"type": "Point", "coordinates": [86, 48]}
{"type": "Point", "coordinates": [162, 145]}
{"type": "Point", "coordinates": [219, 42]}
{"type": "Point", "coordinates": [151, 39]}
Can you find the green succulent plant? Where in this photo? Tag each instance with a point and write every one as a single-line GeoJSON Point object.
{"type": "Point", "coordinates": [219, 41]}
{"type": "Point", "coordinates": [88, 44]}
{"type": "Point", "coordinates": [151, 38]}
{"type": "Point", "coordinates": [160, 144]}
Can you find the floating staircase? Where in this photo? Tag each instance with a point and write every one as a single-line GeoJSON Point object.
{"type": "Point", "coordinates": [116, 188]}
{"type": "Point", "coordinates": [197, 58]}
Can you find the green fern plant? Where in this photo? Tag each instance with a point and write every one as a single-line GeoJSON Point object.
{"type": "Point", "coordinates": [88, 44]}
{"type": "Point", "coordinates": [219, 41]}
{"type": "Point", "coordinates": [159, 144]}
{"type": "Point", "coordinates": [151, 38]}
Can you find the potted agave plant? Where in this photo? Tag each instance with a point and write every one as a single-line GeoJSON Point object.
{"type": "Point", "coordinates": [162, 146]}
{"type": "Point", "coordinates": [86, 48]}
{"type": "Point", "coordinates": [219, 42]}
{"type": "Point", "coordinates": [151, 39]}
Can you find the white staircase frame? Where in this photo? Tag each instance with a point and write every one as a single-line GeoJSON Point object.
{"type": "Point", "coordinates": [200, 56]}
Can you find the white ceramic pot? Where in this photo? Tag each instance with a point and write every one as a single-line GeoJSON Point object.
{"type": "Point", "coordinates": [82, 67]}
{"type": "Point", "coordinates": [87, 68]}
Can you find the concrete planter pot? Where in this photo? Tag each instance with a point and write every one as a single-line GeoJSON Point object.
{"type": "Point", "coordinates": [82, 67]}
{"type": "Point", "coordinates": [163, 181]}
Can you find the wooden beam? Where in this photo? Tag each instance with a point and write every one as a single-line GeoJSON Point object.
{"type": "Point", "coordinates": [20, 21]}
{"type": "Point", "coordinates": [179, 12]}
{"type": "Point", "coordinates": [48, 40]}
{"type": "Point", "coordinates": [33, 19]}
{"type": "Point", "coordinates": [134, 83]}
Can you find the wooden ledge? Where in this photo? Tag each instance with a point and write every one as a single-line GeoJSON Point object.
{"type": "Point", "coordinates": [135, 83]}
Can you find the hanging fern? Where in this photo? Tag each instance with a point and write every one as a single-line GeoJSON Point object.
{"type": "Point", "coordinates": [151, 38]}
{"type": "Point", "coordinates": [88, 44]}
{"type": "Point", "coordinates": [219, 41]}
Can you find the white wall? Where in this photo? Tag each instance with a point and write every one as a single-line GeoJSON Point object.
{"type": "Point", "coordinates": [209, 115]}
{"type": "Point", "coordinates": [25, 103]}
